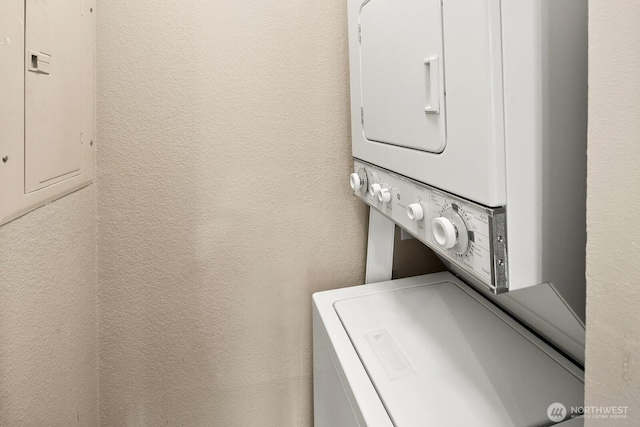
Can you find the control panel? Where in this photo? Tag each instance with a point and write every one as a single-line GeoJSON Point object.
{"type": "Point", "coordinates": [469, 236]}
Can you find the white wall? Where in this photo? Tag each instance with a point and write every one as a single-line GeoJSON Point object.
{"type": "Point", "coordinates": [613, 203]}
{"type": "Point", "coordinates": [48, 337]}
{"type": "Point", "coordinates": [223, 203]}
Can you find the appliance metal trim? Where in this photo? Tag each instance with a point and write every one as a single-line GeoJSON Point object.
{"type": "Point", "coordinates": [497, 229]}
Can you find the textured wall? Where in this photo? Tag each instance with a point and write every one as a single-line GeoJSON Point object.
{"type": "Point", "coordinates": [613, 203]}
{"type": "Point", "coordinates": [223, 204]}
{"type": "Point", "coordinates": [48, 340]}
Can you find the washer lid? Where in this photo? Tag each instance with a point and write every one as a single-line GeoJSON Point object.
{"type": "Point", "coordinates": [438, 356]}
{"type": "Point", "coordinates": [402, 73]}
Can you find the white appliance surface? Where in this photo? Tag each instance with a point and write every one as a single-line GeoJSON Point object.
{"type": "Point", "coordinates": [466, 111]}
{"type": "Point", "coordinates": [469, 132]}
{"type": "Point", "coordinates": [426, 91]}
{"type": "Point", "coordinates": [428, 351]}
{"type": "Point", "coordinates": [483, 259]}
{"type": "Point", "coordinates": [402, 83]}
{"type": "Point", "coordinates": [485, 101]}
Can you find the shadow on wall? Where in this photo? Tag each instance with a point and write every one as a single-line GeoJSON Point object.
{"type": "Point", "coordinates": [412, 258]}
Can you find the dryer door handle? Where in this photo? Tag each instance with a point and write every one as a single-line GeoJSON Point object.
{"type": "Point", "coordinates": [433, 85]}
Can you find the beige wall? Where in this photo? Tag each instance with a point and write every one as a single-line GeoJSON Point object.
{"type": "Point", "coordinates": [206, 274]}
{"type": "Point", "coordinates": [48, 340]}
{"type": "Point", "coordinates": [613, 203]}
{"type": "Point", "coordinates": [223, 204]}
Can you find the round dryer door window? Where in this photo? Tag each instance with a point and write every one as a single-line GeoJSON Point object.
{"type": "Point", "coordinates": [402, 73]}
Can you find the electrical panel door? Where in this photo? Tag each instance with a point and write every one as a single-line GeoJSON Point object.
{"type": "Point", "coordinates": [53, 92]}
{"type": "Point", "coordinates": [47, 69]}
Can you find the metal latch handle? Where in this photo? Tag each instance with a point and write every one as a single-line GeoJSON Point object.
{"type": "Point", "coordinates": [39, 62]}
{"type": "Point", "coordinates": [433, 85]}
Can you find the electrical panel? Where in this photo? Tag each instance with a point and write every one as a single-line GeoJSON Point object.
{"type": "Point", "coordinates": [47, 101]}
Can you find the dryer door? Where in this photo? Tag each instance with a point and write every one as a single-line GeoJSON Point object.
{"type": "Point", "coordinates": [402, 73]}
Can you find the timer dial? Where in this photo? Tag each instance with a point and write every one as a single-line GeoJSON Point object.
{"type": "Point", "coordinates": [444, 232]}
{"type": "Point", "coordinates": [450, 231]}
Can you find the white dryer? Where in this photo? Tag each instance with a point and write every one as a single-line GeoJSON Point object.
{"type": "Point", "coordinates": [469, 132]}
{"type": "Point", "coordinates": [486, 101]}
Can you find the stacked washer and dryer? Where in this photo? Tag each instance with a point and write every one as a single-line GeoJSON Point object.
{"type": "Point", "coordinates": [469, 132]}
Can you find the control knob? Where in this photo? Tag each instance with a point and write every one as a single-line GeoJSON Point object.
{"type": "Point", "coordinates": [384, 195]}
{"type": "Point", "coordinates": [415, 212]}
{"type": "Point", "coordinates": [374, 189]}
{"type": "Point", "coordinates": [450, 232]}
{"type": "Point", "coordinates": [444, 232]}
{"type": "Point", "coordinates": [358, 181]}
{"type": "Point", "coordinates": [354, 180]}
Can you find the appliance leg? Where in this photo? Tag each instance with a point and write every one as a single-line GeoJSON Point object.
{"type": "Point", "coordinates": [379, 247]}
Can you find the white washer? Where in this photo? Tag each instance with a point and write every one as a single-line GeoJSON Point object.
{"type": "Point", "coordinates": [429, 351]}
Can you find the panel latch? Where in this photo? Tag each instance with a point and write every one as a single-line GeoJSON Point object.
{"type": "Point", "coordinates": [39, 62]}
